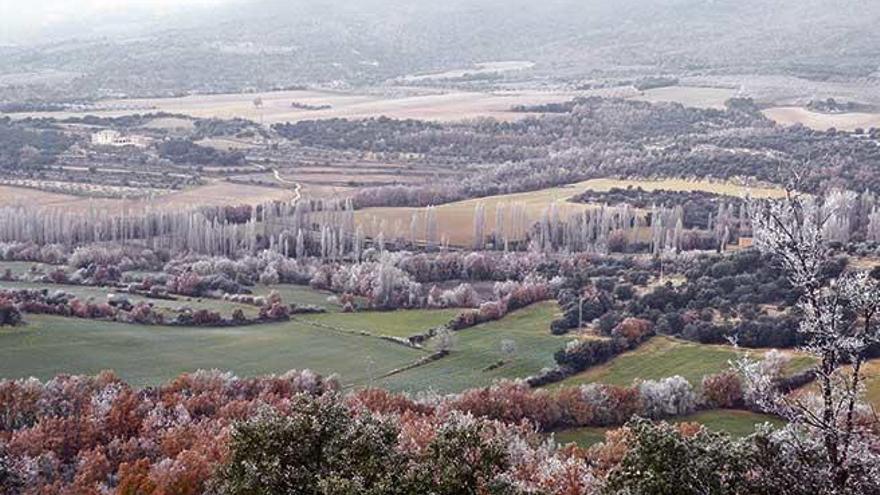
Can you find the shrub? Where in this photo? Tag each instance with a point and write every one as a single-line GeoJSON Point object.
{"type": "Point", "coordinates": [9, 313]}
{"type": "Point", "coordinates": [723, 390]}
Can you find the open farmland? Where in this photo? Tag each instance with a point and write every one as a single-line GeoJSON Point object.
{"type": "Point", "coordinates": [141, 355]}
{"type": "Point", "coordinates": [399, 103]}
{"type": "Point", "coordinates": [456, 220]}
{"type": "Point", "coordinates": [736, 423]}
{"type": "Point", "coordinates": [329, 343]}
{"type": "Point", "coordinates": [823, 121]}
{"type": "Point", "coordinates": [477, 69]}
{"type": "Point", "coordinates": [689, 96]}
{"type": "Point", "coordinates": [477, 349]}
{"type": "Point", "coordinates": [662, 357]}
{"type": "Point", "coordinates": [400, 323]}
{"type": "Point", "coordinates": [214, 194]}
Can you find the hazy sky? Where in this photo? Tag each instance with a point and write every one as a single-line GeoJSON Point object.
{"type": "Point", "coordinates": [29, 20]}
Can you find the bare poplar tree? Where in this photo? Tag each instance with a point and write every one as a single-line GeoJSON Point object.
{"type": "Point", "coordinates": [479, 225]}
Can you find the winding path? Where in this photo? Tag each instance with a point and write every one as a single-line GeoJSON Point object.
{"type": "Point", "coordinates": [297, 187]}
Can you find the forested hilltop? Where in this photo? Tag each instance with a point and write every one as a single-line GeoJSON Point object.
{"type": "Point", "coordinates": [275, 44]}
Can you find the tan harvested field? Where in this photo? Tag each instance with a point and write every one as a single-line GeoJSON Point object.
{"type": "Point", "coordinates": [399, 102]}
{"type": "Point", "coordinates": [456, 220]}
{"type": "Point", "coordinates": [226, 144]}
{"type": "Point", "coordinates": [170, 123]}
{"type": "Point", "coordinates": [344, 179]}
{"type": "Point", "coordinates": [326, 191]}
{"type": "Point", "coordinates": [823, 121]}
{"type": "Point", "coordinates": [215, 194]}
{"type": "Point", "coordinates": [481, 68]}
{"type": "Point", "coordinates": [422, 104]}
{"type": "Point", "coordinates": [689, 96]}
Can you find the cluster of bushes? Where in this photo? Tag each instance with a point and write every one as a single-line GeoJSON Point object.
{"type": "Point", "coordinates": [186, 152]}
{"type": "Point", "coordinates": [120, 309]}
{"type": "Point", "coordinates": [51, 254]}
{"type": "Point", "coordinates": [688, 459]}
{"type": "Point", "coordinates": [123, 121]}
{"type": "Point", "coordinates": [30, 143]}
{"type": "Point", "coordinates": [210, 432]}
{"type": "Point", "coordinates": [246, 270]}
{"type": "Point", "coordinates": [206, 128]}
{"type": "Point", "coordinates": [741, 296]}
{"type": "Point", "coordinates": [509, 296]}
{"type": "Point", "coordinates": [384, 285]}
{"type": "Point", "coordinates": [123, 257]}
{"type": "Point", "coordinates": [581, 354]}
{"type": "Point", "coordinates": [472, 266]}
{"type": "Point", "coordinates": [698, 206]}
{"type": "Point", "coordinates": [398, 135]}
{"type": "Point", "coordinates": [10, 315]}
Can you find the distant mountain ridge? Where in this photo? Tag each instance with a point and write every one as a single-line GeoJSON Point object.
{"type": "Point", "coordinates": [274, 43]}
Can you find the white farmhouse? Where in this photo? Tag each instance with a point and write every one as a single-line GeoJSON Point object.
{"type": "Point", "coordinates": [106, 137]}
{"type": "Point", "coordinates": [109, 137]}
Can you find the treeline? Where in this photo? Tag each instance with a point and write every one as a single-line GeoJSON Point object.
{"type": "Point", "coordinates": [123, 121]}
{"type": "Point", "coordinates": [186, 152]}
{"type": "Point", "coordinates": [741, 296]}
{"type": "Point", "coordinates": [211, 432]}
{"type": "Point", "coordinates": [237, 127]}
{"type": "Point", "coordinates": [30, 144]}
{"type": "Point", "coordinates": [599, 137]}
{"type": "Point", "coordinates": [698, 207]}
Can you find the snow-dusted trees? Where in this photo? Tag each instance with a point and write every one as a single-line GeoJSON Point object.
{"type": "Point", "coordinates": [479, 226]}
{"type": "Point", "coordinates": [432, 229]}
{"type": "Point", "coordinates": [671, 396]}
{"type": "Point", "coordinates": [873, 227]}
{"type": "Point", "coordinates": [841, 208]}
{"type": "Point", "coordinates": [840, 323]}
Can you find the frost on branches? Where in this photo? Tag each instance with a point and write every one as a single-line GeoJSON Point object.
{"type": "Point", "coordinates": [832, 426]}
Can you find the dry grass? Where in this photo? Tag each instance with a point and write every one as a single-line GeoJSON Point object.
{"type": "Point", "coordinates": [871, 382]}
{"type": "Point", "coordinates": [226, 144]}
{"type": "Point", "coordinates": [481, 68]}
{"type": "Point", "coordinates": [456, 220]}
{"type": "Point", "coordinates": [213, 194]}
{"type": "Point", "coordinates": [823, 121]}
{"type": "Point", "coordinates": [689, 96]}
{"type": "Point", "coordinates": [425, 104]}
{"type": "Point", "coordinates": [170, 123]}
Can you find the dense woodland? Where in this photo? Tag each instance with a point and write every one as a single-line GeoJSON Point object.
{"type": "Point", "coordinates": [597, 137]}
{"type": "Point", "coordinates": [30, 145]}
{"type": "Point", "coordinates": [275, 44]}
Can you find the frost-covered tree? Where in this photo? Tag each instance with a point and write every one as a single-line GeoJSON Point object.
{"type": "Point", "coordinates": [671, 396]}
{"type": "Point", "coordinates": [840, 325]}
{"type": "Point", "coordinates": [479, 226]}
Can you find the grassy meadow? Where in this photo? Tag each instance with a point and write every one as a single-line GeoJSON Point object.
{"type": "Point", "coordinates": [662, 357]}
{"type": "Point", "coordinates": [144, 355]}
{"type": "Point", "coordinates": [736, 423]}
{"type": "Point", "coordinates": [401, 323]}
{"type": "Point", "coordinates": [476, 349]}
